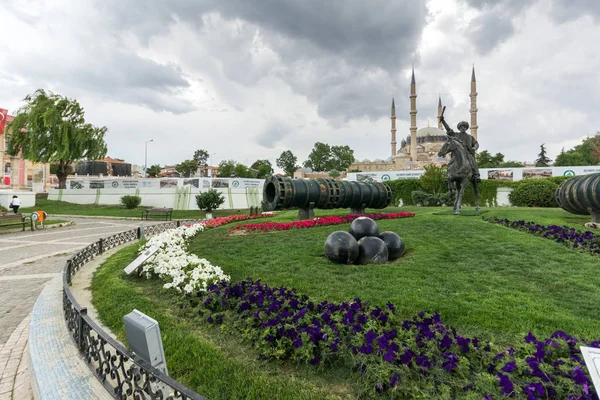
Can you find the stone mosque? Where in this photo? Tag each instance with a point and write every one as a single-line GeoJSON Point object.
{"type": "Point", "coordinates": [421, 146]}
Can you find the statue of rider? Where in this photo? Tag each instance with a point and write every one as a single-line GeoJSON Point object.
{"type": "Point", "coordinates": [468, 141]}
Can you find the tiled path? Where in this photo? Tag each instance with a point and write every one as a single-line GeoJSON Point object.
{"type": "Point", "coordinates": [28, 261]}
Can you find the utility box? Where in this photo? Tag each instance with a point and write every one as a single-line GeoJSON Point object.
{"type": "Point", "coordinates": [143, 335]}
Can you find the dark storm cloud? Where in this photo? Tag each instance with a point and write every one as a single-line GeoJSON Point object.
{"type": "Point", "coordinates": [494, 25]}
{"type": "Point", "coordinates": [328, 50]}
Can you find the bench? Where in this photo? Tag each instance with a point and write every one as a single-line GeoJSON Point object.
{"type": "Point", "coordinates": [14, 220]}
{"type": "Point", "coordinates": [165, 213]}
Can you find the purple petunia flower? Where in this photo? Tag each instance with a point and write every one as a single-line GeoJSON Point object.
{"type": "Point", "coordinates": [506, 384]}
{"type": "Point", "coordinates": [509, 366]}
{"type": "Point", "coordinates": [445, 343]}
{"type": "Point", "coordinates": [394, 380]}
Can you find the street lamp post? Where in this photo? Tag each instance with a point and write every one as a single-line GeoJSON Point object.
{"type": "Point", "coordinates": [146, 156]}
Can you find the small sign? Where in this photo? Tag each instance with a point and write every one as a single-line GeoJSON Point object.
{"type": "Point", "coordinates": [591, 356]}
{"type": "Point", "coordinates": [140, 260]}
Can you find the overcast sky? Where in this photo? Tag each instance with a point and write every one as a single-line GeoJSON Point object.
{"type": "Point", "coordinates": [248, 79]}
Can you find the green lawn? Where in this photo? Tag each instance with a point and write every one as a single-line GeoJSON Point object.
{"type": "Point", "coordinates": [53, 207]}
{"type": "Point", "coordinates": [484, 279]}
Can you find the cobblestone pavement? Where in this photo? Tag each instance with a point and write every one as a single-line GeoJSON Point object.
{"type": "Point", "coordinates": [28, 260]}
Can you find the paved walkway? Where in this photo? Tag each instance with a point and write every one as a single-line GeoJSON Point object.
{"type": "Point", "coordinates": [28, 261]}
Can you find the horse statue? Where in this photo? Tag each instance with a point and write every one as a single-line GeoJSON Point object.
{"type": "Point", "coordinates": [460, 172]}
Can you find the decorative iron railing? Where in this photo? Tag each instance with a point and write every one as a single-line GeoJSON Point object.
{"type": "Point", "coordinates": [122, 373]}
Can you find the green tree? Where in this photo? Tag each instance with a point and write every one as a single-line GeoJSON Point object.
{"type": "Point", "coordinates": [54, 168]}
{"type": "Point", "coordinates": [226, 168]}
{"type": "Point", "coordinates": [486, 160]}
{"type": "Point", "coordinates": [569, 158]}
{"type": "Point", "coordinates": [210, 200]}
{"type": "Point", "coordinates": [201, 156]}
{"type": "Point", "coordinates": [241, 171]}
{"type": "Point", "coordinates": [287, 162]}
{"type": "Point", "coordinates": [341, 158]}
{"type": "Point", "coordinates": [319, 158]}
{"type": "Point", "coordinates": [187, 168]}
{"type": "Point", "coordinates": [51, 129]}
{"type": "Point", "coordinates": [263, 168]}
{"type": "Point", "coordinates": [334, 173]}
{"type": "Point", "coordinates": [542, 160]}
{"type": "Point", "coordinates": [154, 170]}
{"type": "Point", "coordinates": [433, 179]}
{"type": "Point", "coordinates": [511, 164]}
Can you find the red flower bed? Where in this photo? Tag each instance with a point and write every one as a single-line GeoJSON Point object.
{"type": "Point", "coordinates": [322, 221]}
{"type": "Point", "coordinates": [218, 221]}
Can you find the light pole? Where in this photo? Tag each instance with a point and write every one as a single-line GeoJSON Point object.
{"type": "Point", "coordinates": [146, 156]}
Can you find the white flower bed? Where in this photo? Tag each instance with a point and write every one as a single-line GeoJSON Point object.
{"type": "Point", "coordinates": [172, 263]}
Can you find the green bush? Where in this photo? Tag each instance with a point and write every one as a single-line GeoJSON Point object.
{"type": "Point", "coordinates": [210, 200]}
{"type": "Point", "coordinates": [534, 193]}
{"type": "Point", "coordinates": [488, 190]}
{"type": "Point", "coordinates": [434, 179]}
{"type": "Point", "coordinates": [421, 198]}
{"type": "Point", "coordinates": [402, 190]}
{"type": "Point", "coordinates": [131, 202]}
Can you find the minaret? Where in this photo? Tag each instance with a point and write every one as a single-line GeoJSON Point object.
{"type": "Point", "coordinates": [413, 117]}
{"type": "Point", "coordinates": [473, 109]}
{"type": "Point", "coordinates": [393, 128]}
{"type": "Point", "coordinates": [440, 125]}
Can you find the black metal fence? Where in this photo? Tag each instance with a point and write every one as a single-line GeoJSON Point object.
{"type": "Point", "coordinates": [122, 373]}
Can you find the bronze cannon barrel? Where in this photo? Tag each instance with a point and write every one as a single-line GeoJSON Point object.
{"type": "Point", "coordinates": [280, 193]}
{"type": "Point", "coordinates": [580, 194]}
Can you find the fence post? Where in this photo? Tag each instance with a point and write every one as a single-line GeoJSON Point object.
{"type": "Point", "coordinates": [69, 270]}
{"type": "Point", "coordinates": [178, 224]}
{"type": "Point", "coordinates": [80, 328]}
{"type": "Point", "coordinates": [101, 246]}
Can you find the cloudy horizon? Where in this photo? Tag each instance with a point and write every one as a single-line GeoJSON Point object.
{"type": "Point", "coordinates": [247, 80]}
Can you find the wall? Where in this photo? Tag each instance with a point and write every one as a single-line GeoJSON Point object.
{"type": "Point", "coordinates": [27, 198]}
{"type": "Point", "coordinates": [238, 193]}
{"type": "Point", "coordinates": [508, 174]}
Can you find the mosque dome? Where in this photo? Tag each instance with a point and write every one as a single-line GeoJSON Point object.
{"type": "Point", "coordinates": [430, 131]}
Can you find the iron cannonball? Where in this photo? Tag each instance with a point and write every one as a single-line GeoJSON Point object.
{"type": "Point", "coordinates": [372, 250]}
{"type": "Point", "coordinates": [394, 243]}
{"type": "Point", "coordinates": [341, 247]}
{"type": "Point", "coordinates": [363, 226]}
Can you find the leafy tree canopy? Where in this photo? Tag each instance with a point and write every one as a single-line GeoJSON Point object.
{"type": "Point", "coordinates": [486, 160]}
{"type": "Point", "coordinates": [262, 168]}
{"type": "Point", "coordinates": [287, 162]}
{"type": "Point", "coordinates": [324, 157]}
{"type": "Point", "coordinates": [187, 168]}
{"type": "Point", "coordinates": [154, 170]}
{"type": "Point", "coordinates": [201, 156]}
{"type": "Point", "coordinates": [52, 128]}
{"type": "Point", "coordinates": [586, 153]}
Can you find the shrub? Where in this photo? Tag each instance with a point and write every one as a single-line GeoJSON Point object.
{"type": "Point", "coordinates": [131, 202]}
{"type": "Point", "coordinates": [210, 200]}
{"type": "Point", "coordinates": [421, 198]}
{"type": "Point", "coordinates": [488, 190]}
{"type": "Point", "coordinates": [434, 179]}
{"type": "Point", "coordinates": [402, 190]}
{"type": "Point", "coordinates": [534, 193]}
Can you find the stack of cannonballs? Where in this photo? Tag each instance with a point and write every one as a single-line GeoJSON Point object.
{"type": "Point", "coordinates": [363, 244]}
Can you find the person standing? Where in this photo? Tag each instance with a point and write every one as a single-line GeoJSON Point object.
{"type": "Point", "coordinates": [15, 203]}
